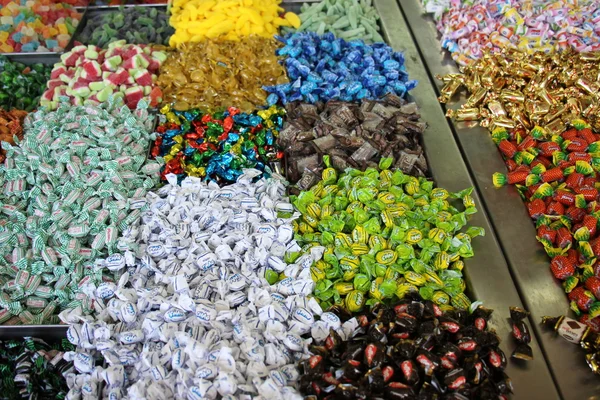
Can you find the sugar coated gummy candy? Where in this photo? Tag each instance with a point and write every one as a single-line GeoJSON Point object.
{"type": "Point", "coordinates": [198, 20]}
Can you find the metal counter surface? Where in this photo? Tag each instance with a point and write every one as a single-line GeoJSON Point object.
{"type": "Point", "coordinates": [488, 275]}
{"type": "Point", "coordinates": [529, 264]}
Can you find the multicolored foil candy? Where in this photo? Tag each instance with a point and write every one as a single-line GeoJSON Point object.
{"type": "Point", "coordinates": [384, 234]}
{"type": "Point", "coordinates": [220, 145]}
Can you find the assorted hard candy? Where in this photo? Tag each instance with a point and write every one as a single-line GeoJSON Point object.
{"type": "Point", "coordinates": [218, 146]}
{"type": "Point", "coordinates": [346, 19]}
{"type": "Point", "coordinates": [212, 75]}
{"type": "Point", "coordinates": [385, 235]}
{"type": "Point", "coordinates": [36, 26]}
{"type": "Point", "coordinates": [32, 368]}
{"type": "Point", "coordinates": [190, 313]}
{"type": "Point", "coordinates": [139, 25]}
{"type": "Point", "coordinates": [355, 135]}
{"type": "Point", "coordinates": [408, 351]}
{"type": "Point", "coordinates": [556, 176]}
{"type": "Point", "coordinates": [470, 27]}
{"type": "Point", "coordinates": [20, 85]}
{"type": "Point", "coordinates": [322, 68]}
{"type": "Point", "coordinates": [199, 20]}
{"type": "Point", "coordinates": [89, 75]}
{"type": "Point", "coordinates": [77, 180]}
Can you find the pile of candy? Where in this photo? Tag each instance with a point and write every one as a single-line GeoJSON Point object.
{"type": "Point", "coordinates": [515, 90]}
{"type": "Point", "coordinates": [78, 179]}
{"type": "Point", "coordinates": [192, 315]}
{"type": "Point", "coordinates": [218, 146]}
{"type": "Point", "coordinates": [556, 176]}
{"type": "Point", "coordinates": [139, 25]}
{"type": "Point", "coordinates": [212, 75]}
{"type": "Point", "coordinates": [352, 135]}
{"type": "Point", "coordinates": [198, 20]}
{"type": "Point", "coordinates": [36, 26]}
{"type": "Point", "coordinates": [89, 75]}
{"type": "Point", "coordinates": [346, 19]}
{"type": "Point", "coordinates": [32, 368]}
{"type": "Point", "coordinates": [322, 68]}
{"type": "Point", "coordinates": [11, 126]}
{"type": "Point", "coordinates": [468, 28]}
{"type": "Point", "coordinates": [412, 350]}
{"type": "Point", "coordinates": [21, 86]}
{"type": "Point", "coordinates": [385, 234]}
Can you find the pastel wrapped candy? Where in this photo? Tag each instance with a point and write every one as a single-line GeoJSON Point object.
{"type": "Point", "coordinates": [36, 26]}
{"type": "Point", "coordinates": [346, 19]}
{"type": "Point", "coordinates": [75, 181]}
{"type": "Point", "coordinates": [199, 20]}
{"type": "Point", "coordinates": [139, 25]}
{"type": "Point", "coordinates": [89, 75]}
{"type": "Point", "coordinates": [322, 68]}
{"type": "Point", "coordinates": [194, 314]}
{"type": "Point", "coordinates": [386, 234]}
{"type": "Point", "coordinates": [468, 28]}
{"type": "Point", "coordinates": [218, 146]}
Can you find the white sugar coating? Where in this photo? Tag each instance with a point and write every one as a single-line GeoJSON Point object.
{"type": "Point", "coordinates": [192, 316]}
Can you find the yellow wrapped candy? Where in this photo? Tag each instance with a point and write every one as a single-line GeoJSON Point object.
{"type": "Point", "coordinates": [198, 20]}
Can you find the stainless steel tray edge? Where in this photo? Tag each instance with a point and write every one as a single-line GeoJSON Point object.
{"type": "Point", "coordinates": [528, 262]}
{"type": "Point", "coordinates": [487, 273]}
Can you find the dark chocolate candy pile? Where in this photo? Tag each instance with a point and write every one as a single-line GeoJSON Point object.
{"type": "Point", "coordinates": [410, 351]}
{"type": "Point", "coordinates": [33, 369]}
{"type": "Point", "coordinates": [353, 135]}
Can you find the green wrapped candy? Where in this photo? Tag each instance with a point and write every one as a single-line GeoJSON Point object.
{"type": "Point", "coordinates": [20, 85]}
{"type": "Point", "coordinates": [385, 234]}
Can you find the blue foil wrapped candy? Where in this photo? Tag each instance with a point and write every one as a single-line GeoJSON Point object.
{"type": "Point", "coordinates": [322, 68]}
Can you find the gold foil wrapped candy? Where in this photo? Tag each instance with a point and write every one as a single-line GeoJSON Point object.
{"type": "Point", "coordinates": [518, 90]}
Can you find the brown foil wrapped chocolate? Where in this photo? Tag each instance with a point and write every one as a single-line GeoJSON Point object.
{"type": "Point", "coordinates": [513, 89]}
{"type": "Point", "coordinates": [353, 135]}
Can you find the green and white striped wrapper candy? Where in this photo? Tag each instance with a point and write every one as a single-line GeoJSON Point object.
{"type": "Point", "coordinates": [68, 190]}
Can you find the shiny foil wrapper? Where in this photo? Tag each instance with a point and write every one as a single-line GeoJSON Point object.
{"type": "Point", "coordinates": [513, 89]}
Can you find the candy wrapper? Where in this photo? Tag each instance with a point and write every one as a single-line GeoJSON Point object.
{"type": "Point", "coordinates": [409, 351]}
{"type": "Point", "coordinates": [470, 27]}
{"type": "Point", "coordinates": [322, 68]}
{"type": "Point", "coordinates": [89, 75]}
{"type": "Point", "coordinates": [20, 85]}
{"type": "Point", "coordinates": [212, 75]}
{"type": "Point", "coordinates": [557, 176]}
{"type": "Point", "coordinates": [515, 90]}
{"type": "Point", "coordinates": [385, 234]}
{"type": "Point", "coordinates": [32, 368]}
{"type": "Point", "coordinates": [193, 315]}
{"type": "Point", "coordinates": [11, 126]}
{"type": "Point", "coordinates": [139, 25]}
{"type": "Point", "coordinates": [77, 179]}
{"type": "Point", "coordinates": [352, 135]}
{"type": "Point", "coordinates": [218, 146]}
{"type": "Point", "coordinates": [580, 334]}
{"type": "Point", "coordinates": [346, 19]}
{"type": "Point", "coordinates": [230, 19]}
{"type": "Point", "coordinates": [521, 334]}
{"type": "Point", "coordinates": [36, 26]}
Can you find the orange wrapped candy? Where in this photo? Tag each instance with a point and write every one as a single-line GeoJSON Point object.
{"type": "Point", "coordinates": [11, 124]}
{"type": "Point", "coordinates": [211, 75]}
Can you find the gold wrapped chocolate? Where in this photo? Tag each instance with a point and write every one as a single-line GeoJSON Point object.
{"type": "Point", "coordinates": [516, 89]}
